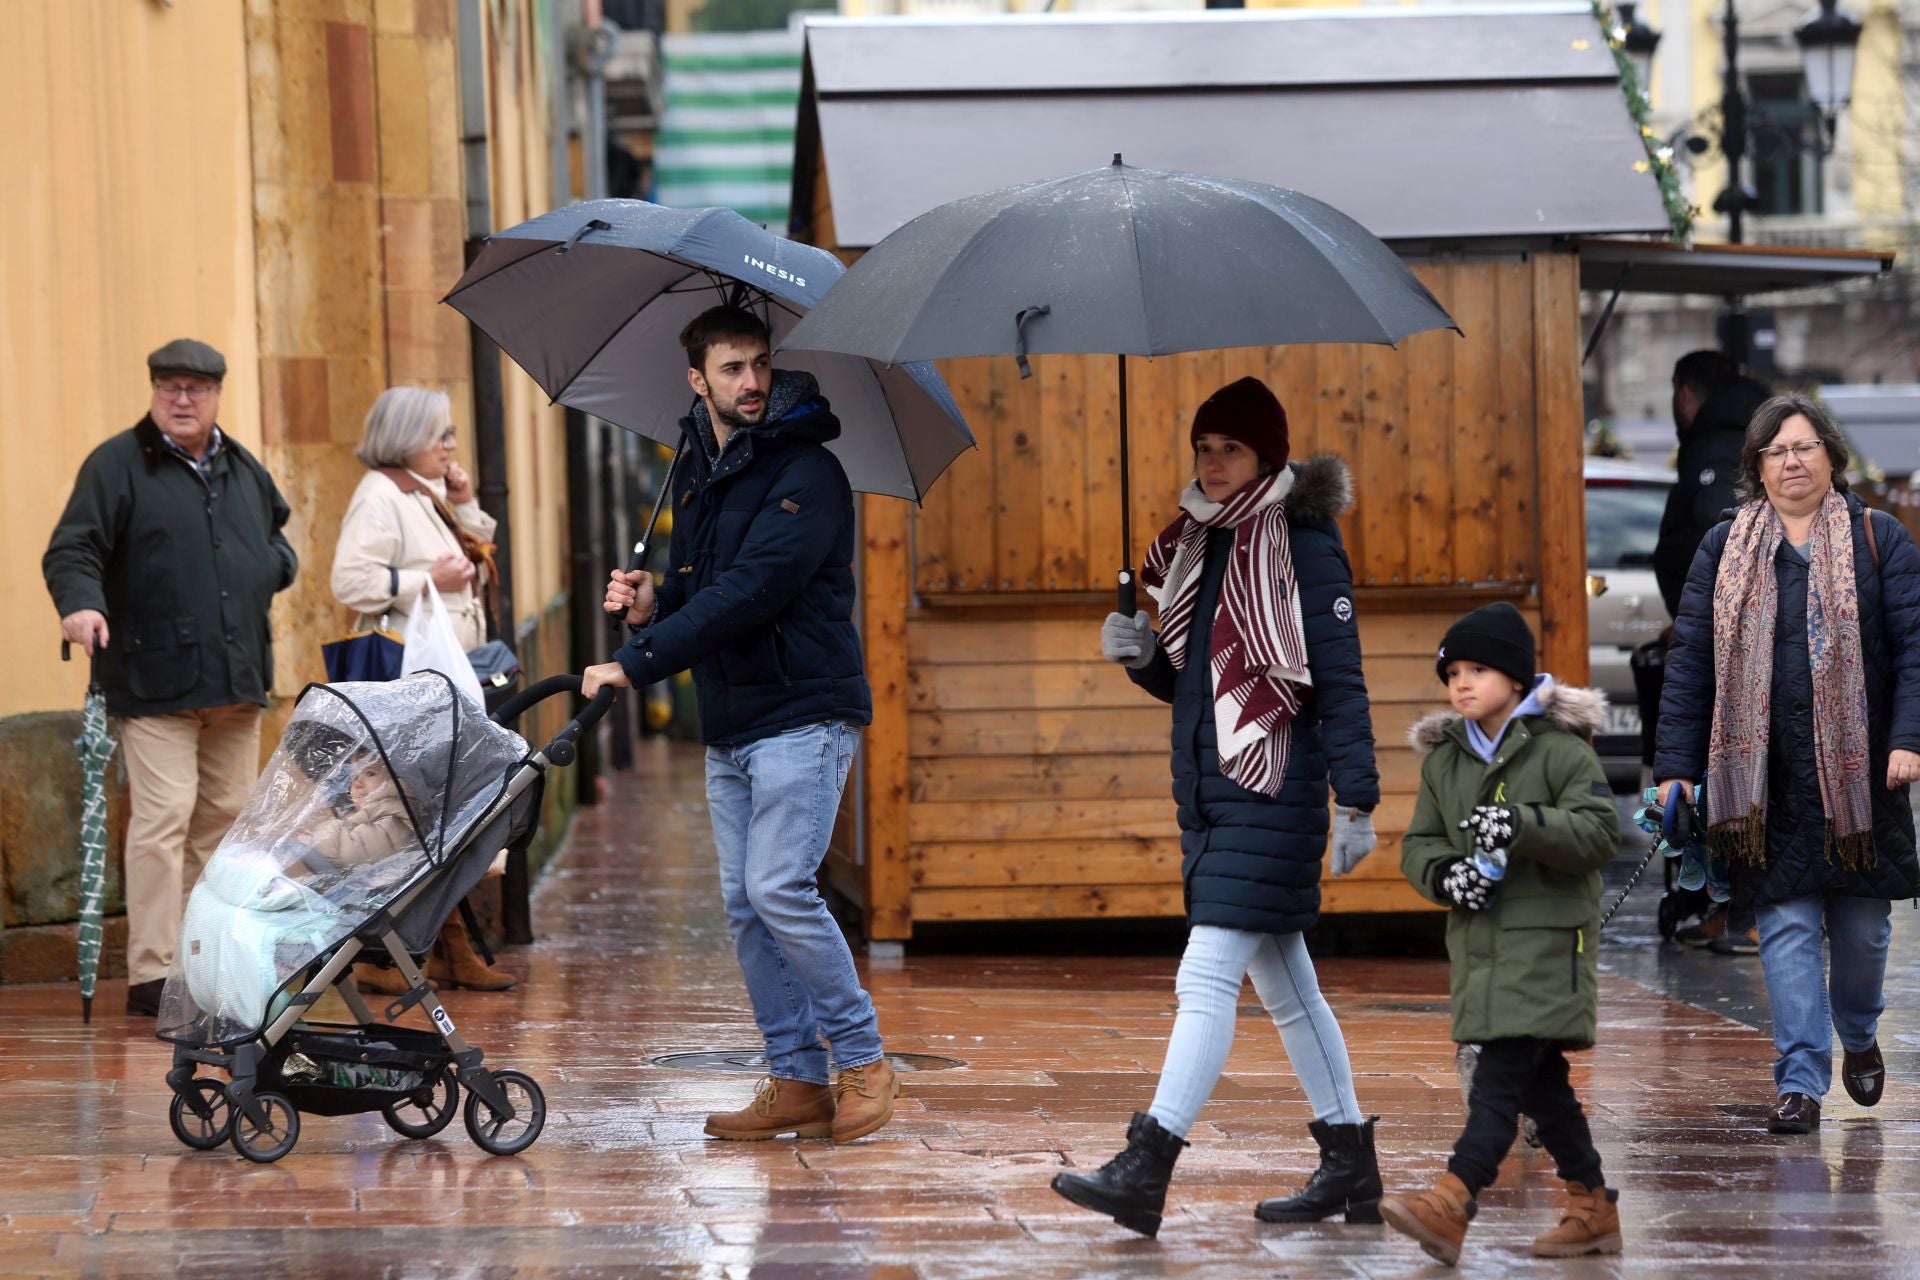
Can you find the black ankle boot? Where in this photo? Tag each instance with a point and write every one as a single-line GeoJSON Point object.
{"type": "Point", "coordinates": [1131, 1188]}
{"type": "Point", "coordinates": [1348, 1179]}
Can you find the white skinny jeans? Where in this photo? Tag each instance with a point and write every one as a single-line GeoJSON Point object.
{"type": "Point", "coordinates": [1208, 987]}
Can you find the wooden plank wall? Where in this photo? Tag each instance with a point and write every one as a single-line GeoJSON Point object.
{"type": "Point", "coordinates": [1034, 777]}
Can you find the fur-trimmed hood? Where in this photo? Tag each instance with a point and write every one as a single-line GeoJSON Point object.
{"type": "Point", "coordinates": [1577, 710]}
{"type": "Point", "coordinates": [1322, 488]}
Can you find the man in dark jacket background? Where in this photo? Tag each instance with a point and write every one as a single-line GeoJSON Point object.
{"type": "Point", "coordinates": [162, 568]}
{"type": "Point", "coordinates": [758, 601]}
{"type": "Point", "coordinates": [1712, 404]}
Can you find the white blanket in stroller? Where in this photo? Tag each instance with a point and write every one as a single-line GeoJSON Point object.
{"type": "Point", "coordinates": [248, 928]}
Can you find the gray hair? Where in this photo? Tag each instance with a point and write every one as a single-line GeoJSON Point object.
{"type": "Point", "coordinates": [1766, 424]}
{"type": "Point", "coordinates": [402, 422]}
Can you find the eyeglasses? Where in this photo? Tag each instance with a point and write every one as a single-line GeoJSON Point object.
{"type": "Point", "coordinates": [194, 391]}
{"type": "Point", "coordinates": [1804, 450]}
{"type": "Point", "coordinates": [450, 439]}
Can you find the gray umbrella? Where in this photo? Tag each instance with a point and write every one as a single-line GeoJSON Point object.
{"type": "Point", "coordinates": [590, 300]}
{"type": "Point", "coordinates": [1122, 260]}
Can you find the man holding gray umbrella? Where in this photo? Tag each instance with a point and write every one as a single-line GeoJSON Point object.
{"type": "Point", "coordinates": [758, 602]}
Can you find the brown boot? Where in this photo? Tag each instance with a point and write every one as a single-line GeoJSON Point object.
{"type": "Point", "coordinates": [863, 1099]}
{"type": "Point", "coordinates": [779, 1106]}
{"type": "Point", "coordinates": [463, 965]}
{"type": "Point", "coordinates": [1589, 1224]}
{"type": "Point", "coordinates": [1437, 1217]}
{"type": "Point", "coordinates": [381, 981]}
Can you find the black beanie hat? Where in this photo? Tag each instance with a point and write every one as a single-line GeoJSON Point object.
{"type": "Point", "coordinates": [1494, 635]}
{"type": "Point", "coordinates": [1249, 412]}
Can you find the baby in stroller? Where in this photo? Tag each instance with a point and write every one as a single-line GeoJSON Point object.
{"type": "Point", "coordinates": [278, 892]}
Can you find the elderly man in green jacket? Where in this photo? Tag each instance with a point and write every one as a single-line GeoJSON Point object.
{"type": "Point", "coordinates": [162, 569]}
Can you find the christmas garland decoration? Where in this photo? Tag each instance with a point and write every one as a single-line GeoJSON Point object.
{"type": "Point", "coordinates": [1659, 161]}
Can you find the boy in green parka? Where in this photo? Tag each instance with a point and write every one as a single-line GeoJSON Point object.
{"type": "Point", "coordinates": [1514, 821]}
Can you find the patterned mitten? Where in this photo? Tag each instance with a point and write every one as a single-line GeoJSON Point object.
{"type": "Point", "coordinates": [1465, 886]}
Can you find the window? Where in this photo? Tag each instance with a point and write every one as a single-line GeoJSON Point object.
{"type": "Point", "coordinates": [1623, 523]}
{"type": "Point", "coordinates": [1782, 146]}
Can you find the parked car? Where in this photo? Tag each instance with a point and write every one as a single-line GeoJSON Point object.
{"type": "Point", "coordinates": [1624, 610]}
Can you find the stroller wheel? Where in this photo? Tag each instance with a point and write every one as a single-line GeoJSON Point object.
{"type": "Point", "coordinates": [202, 1133]}
{"type": "Point", "coordinates": [1670, 917]}
{"type": "Point", "coordinates": [428, 1111]}
{"type": "Point", "coordinates": [264, 1146]}
{"type": "Point", "coordinates": [497, 1134]}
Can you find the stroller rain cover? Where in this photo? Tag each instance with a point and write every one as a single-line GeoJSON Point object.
{"type": "Point", "coordinates": [372, 785]}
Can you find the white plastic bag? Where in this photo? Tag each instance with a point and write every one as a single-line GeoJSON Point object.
{"type": "Point", "coordinates": [432, 646]}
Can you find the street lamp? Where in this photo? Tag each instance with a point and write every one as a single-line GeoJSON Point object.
{"type": "Point", "coordinates": [1639, 40]}
{"type": "Point", "coordinates": [1827, 44]}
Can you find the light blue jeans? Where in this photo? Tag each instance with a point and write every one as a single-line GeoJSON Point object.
{"type": "Point", "coordinates": [1808, 1004]}
{"type": "Point", "coordinates": [772, 803]}
{"type": "Point", "coordinates": [1211, 970]}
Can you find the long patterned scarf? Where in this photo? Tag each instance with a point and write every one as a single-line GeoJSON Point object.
{"type": "Point", "coordinates": [1259, 648]}
{"type": "Point", "coordinates": [1746, 597]}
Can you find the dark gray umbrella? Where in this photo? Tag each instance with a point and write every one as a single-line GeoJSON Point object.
{"type": "Point", "coordinates": [590, 300]}
{"type": "Point", "coordinates": [1124, 260]}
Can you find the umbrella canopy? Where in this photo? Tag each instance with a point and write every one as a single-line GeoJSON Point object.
{"type": "Point", "coordinates": [590, 301]}
{"type": "Point", "coordinates": [1122, 260]}
{"type": "Point", "coordinates": [94, 747]}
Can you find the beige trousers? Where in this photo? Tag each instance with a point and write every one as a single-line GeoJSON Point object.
{"type": "Point", "coordinates": [189, 774]}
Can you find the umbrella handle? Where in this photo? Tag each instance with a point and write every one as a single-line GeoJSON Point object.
{"type": "Point", "coordinates": [66, 651]}
{"type": "Point", "coordinates": [1125, 600]}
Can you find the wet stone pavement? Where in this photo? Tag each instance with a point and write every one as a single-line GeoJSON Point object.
{"type": "Point", "coordinates": [634, 963]}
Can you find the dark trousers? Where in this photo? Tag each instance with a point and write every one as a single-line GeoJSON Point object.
{"type": "Point", "coordinates": [1523, 1075]}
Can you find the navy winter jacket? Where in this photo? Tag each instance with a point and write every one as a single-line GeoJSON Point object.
{"type": "Point", "coordinates": [758, 595]}
{"type": "Point", "coordinates": [1250, 861]}
{"type": "Point", "coordinates": [1797, 865]}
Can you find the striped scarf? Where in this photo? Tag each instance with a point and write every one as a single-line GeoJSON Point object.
{"type": "Point", "coordinates": [1258, 644]}
{"type": "Point", "coordinates": [1746, 596]}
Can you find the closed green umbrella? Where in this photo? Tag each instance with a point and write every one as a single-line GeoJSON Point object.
{"type": "Point", "coordinates": [94, 747]}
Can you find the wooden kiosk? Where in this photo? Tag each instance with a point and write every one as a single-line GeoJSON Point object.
{"type": "Point", "coordinates": [1012, 774]}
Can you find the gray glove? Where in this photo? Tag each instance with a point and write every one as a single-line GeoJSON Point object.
{"type": "Point", "coordinates": [1128, 641]}
{"type": "Point", "coordinates": [1353, 838]}
{"type": "Point", "coordinates": [1466, 887]}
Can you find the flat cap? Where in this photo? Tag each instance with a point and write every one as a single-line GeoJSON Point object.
{"type": "Point", "coordinates": [184, 355]}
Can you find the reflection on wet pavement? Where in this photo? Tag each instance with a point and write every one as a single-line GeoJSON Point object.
{"type": "Point", "coordinates": [634, 962]}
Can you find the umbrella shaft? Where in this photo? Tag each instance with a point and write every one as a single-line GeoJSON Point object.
{"type": "Point", "coordinates": [1124, 597]}
{"type": "Point", "coordinates": [639, 559]}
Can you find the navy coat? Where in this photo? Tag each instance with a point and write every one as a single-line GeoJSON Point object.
{"type": "Point", "coordinates": [759, 592]}
{"type": "Point", "coordinates": [1797, 864]}
{"type": "Point", "coordinates": [1250, 861]}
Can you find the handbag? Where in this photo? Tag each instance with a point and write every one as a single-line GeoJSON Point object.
{"type": "Point", "coordinates": [498, 670]}
{"type": "Point", "coordinates": [364, 655]}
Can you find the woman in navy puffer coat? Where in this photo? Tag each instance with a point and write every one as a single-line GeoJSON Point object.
{"type": "Point", "coordinates": [1259, 653]}
{"type": "Point", "coordinates": [1793, 691]}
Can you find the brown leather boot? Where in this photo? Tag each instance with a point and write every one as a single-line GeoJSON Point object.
{"type": "Point", "coordinates": [779, 1106]}
{"type": "Point", "coordinates": [463, 965]}
{"type": "Point", "coordinates": [1436, 1217]}
{"type": "Point", "coordinates": [1589, 1224]}
{"type": "Point", "coordinates": [863, 1099]}
{"type": "Point", "coordinates": [380, 981]}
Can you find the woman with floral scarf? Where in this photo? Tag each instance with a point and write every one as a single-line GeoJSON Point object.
{"type": "Point", "coordinates": [1259, 653]}
{"type": "Point", "coordinates": [1793, 690]}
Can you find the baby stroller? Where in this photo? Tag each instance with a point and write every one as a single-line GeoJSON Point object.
{"type": "Point", "coordinates": [381, 808]}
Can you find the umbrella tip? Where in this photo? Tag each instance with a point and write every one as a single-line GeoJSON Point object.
{"type": "Point", "coordinates": [1116, 157]}
{"type": "Point", "coordinates": [86, 1009]}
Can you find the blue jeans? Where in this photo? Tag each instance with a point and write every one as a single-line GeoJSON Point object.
{"type": "Point", "coordinates": [773, 802]}
{"type": "Point", "coordinates": [1211, 970]}
{"type": "Point", "coordinates": [1808, 1004]}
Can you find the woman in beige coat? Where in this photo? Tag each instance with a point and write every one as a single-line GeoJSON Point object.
{"type": "Point", "coordinates": [414, 520]}
{"type": "Point", "coordinates": [397, 535]}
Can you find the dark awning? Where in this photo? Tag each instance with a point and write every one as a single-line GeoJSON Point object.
{"type": "Point", "coordinates": [1720, 270]}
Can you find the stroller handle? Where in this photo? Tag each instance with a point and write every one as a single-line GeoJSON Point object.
{"type": "Point", "coordinates": [561, 749]}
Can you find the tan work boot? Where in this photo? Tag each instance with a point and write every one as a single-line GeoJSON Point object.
{"type": "Point", "coordinates": [1436, 1217]}
{"type": "Point", "coordinates": [1589, 1224]}
{"type": "Point", "coordinates": [863, 1099]}
{"type": "Point", "coordinates": [779, 1106]}
{"type": "Point", "coordinates": [456, 963]}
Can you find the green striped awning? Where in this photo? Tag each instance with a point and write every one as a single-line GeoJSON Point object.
{"type": "Point", "coordinates": [726, 134]}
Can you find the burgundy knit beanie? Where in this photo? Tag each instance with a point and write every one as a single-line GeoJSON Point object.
{"type": "Point", "coordinates": [1248, 412]}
